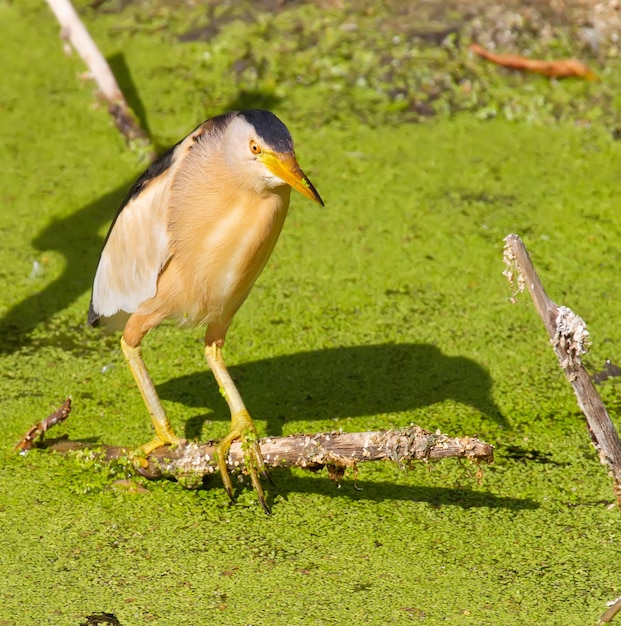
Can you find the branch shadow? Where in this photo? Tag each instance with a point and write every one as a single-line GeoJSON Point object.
{"type": "Point", "coordinates": [380, 491]}
{"type": "Point", "coordinates": [124, 78]}
{"type": "Point", "coordinates": [253, 99]}
{"type": "Point", "coordinates": [340, 382]}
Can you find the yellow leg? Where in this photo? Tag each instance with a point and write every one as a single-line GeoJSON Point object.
{"type": "Point", "coordinates": [241, 428]}
{"type": "Point", "coordinates": [163, 430]}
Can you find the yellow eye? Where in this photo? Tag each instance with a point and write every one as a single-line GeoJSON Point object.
{"type": "Point", "coordinates": [255, 148]}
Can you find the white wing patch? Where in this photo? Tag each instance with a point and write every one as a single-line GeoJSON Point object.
{"type": "Point", "coordinates": [138, 245]}
{"type": "Point", "coordinates": [136, 250]}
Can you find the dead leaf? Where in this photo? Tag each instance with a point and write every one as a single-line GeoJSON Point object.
{"type": "Point", "coordinates": [564, 68]}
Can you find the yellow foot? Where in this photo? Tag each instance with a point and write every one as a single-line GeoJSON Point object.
{"type": "Point", "coordinates": [139, 457]}
{"type": "Point", "coordinates": [158, 442]}
{"type": "Point", "coordinates": [243, 428]}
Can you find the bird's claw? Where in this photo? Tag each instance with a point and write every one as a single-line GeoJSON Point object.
{"type": "Point", "coordinates": [267, 476]}
{"type": "Point", "coordinates": [243, 429]}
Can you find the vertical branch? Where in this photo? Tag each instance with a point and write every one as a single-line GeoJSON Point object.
{"type": "Point", "coordinates": [568, 334]}
{"type": "Point", "coordinates": [74, 31]}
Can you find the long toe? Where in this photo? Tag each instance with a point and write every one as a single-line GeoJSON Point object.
{"type": "Point", "coordinates": [243, 429]}
{"type": "Point", "coordinates": [158, 442]}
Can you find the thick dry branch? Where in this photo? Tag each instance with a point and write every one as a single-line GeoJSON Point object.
{"type": "Point", "coordinates": [74, 31]}
{"type": "Point", "coordinates": [190, 461]}
{"type": "Point", "coordinates": [568, 334]}
{"type": "Point", "coordinates": [337, 451]}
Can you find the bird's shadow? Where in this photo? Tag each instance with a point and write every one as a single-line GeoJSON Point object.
{"type": "Point", "coordinates": [340, 382]}
{"type": "Point", "coordinates": [76, 237]}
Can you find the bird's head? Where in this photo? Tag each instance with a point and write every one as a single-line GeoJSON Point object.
{"type": "Point", "coordinates": [258, 146]}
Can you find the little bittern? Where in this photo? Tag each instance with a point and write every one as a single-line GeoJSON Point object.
{"type": "Point", "coordinates": [189, 241]}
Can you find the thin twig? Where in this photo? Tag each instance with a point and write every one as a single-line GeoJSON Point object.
{"type": "Point", "coordinates": [569, 335]}
{"type": "Point", "coordinates": [39, 429]}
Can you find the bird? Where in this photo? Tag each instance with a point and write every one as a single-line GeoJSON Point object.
{"type": "Point", "coordinates": [188, 243]}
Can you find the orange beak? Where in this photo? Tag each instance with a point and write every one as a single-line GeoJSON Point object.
{"type": "Point", "coordinates": [286, 167]}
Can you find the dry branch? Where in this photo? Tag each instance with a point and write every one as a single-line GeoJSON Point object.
{"type": "Point", "coordinates": [614, 609]}
{"type": "Point", "coordinates": [190, 462]}
{"type": "Point", "coordinates": [336, 451]}
{"type": "Point", "coordinates": [38, 430]}
{"type": "Point", "coordinates": [568, 334]}
{"type": "Point", "coordinates": [74, 31]}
